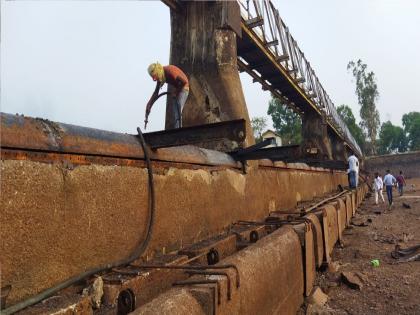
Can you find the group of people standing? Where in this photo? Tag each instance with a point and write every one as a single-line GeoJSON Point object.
{"type": "Point", "coordinates": [389, 182]}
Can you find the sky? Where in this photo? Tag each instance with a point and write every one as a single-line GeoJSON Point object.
{"type": "Point", "coordinates": [85, 62]}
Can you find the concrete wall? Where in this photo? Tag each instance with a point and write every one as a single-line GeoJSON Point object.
{"type": "Point", "coordinates": [58, 221]}
{"type": "Point", "coordinates": [408, 162]}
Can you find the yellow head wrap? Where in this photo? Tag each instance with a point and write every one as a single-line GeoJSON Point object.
{"type": "Point", "coordinates": [156, 69]}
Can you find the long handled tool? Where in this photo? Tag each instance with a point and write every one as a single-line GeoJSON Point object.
{"type": "Point", "coordinates": [146, 118]}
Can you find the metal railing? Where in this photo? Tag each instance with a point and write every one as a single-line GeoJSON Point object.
{"type": "Point", "coordinates": [263, 19]}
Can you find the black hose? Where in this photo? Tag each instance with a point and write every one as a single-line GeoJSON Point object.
{"type": "Point", "coordinates": [135, 255]}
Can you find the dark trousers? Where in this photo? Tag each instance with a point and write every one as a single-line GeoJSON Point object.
{"type": "Point", "coordinates": [401, 189]}
{"type": "Point", "coordinates": [352, 179]}
{"type": "Point", "coordinates": [389, 193]}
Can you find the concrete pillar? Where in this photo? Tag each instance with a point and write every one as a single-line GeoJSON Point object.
{"type": "Point", "coordinates": [203, 44]}
{"type": "Point", "coordinates": [315, 143]}
{"type": "Point", "coordinates": [337, 145]}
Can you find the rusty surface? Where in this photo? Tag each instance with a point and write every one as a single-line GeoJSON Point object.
{"type": "Point", "coordinates": [332, 221]}
{"type": "Point", "coordinates": [232, 130]}
{"type": "Point", "coordinates": [268, 164]}
{"type": "Point", "coordinates": [40, 134]}
{"type": "Point", "coordinates": [177, 301]}
{"type": "Point", "coordinates": [341, 217]}
{"type": "Point", "coordinates": [61, 305]}
{"type": "Point", "coordinates": [349, 209]}
{"type": "Point", "coordinates": [283, 153]}
{"type": "Point", "coordinates": [310, 272]}
{"type": "Point", "coordinates": [208, 55]}
{"type": "Point", "coordinates": [322, 217]}
{"type": "Point", "coordinates": [79, 210]}
{"type": "Point", "coordinates": [70, 161]}
{"type": "Point", "coordinates": [320, 203]}
{"type": "Point", "coordinates": [305, 233]}
{"type": "Point", "coordinates": [221, 246]}
{"type": "Point", "coordinates": [44, 136]}
{"type": "Point", "coordinates": [145, 284]}
{"type": "Point", "coordinates": [269, 287]}
{"type": "Point", "coordinates": [248, 235]}
{"type": "Point", "coordinates": [148, 283]}
{"type": "Point", "coordinates": [266, 287]}
{"type": "Point", "coordinates": [317, 239]}
{"type": "Point", "coordinates": [25, 138]}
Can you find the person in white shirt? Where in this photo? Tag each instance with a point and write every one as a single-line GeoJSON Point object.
{"type": "Point", "coordinates": [389, 181]}
{"type": "Point", "coordinates": [353, 170]}
{"type": "Point", "coordinates": [378, 185]}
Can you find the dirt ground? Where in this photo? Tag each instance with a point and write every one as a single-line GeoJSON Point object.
{"type": "Point", "coordinates": [390, 288]}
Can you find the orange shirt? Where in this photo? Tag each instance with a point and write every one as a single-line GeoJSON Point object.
{"type": "Point", "coordinates": [172, 73]}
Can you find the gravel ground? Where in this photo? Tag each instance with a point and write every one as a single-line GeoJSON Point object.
{"type": "Point", "coordinates": [390, 288]}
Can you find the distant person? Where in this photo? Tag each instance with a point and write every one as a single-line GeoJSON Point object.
{"type": "Point", "coordinates": [401, 183]}
{"type": "Point", "coordinates": [389, 181]}
{"type": "Point", "coordinates": [178, 80]}
{"type": "Point", "coordinates": [353, 170]}
{"type": "Point", "coordinates": [378, 186]}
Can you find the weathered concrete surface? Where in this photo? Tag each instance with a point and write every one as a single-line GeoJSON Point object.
{"type": "Point", "coordinates": [332, 226]}
{"type": "Point", "coordinates": [271, 274]}
{"type": "Point", "coordinates": [62, 221]}
{"type": "Point", "coordinates": [177, 301]}
{"type": "Point", "coordinates": [339, 151]}
{"type": "Point", "coordinates": [317, 239]}
{"type": "Point", "coordinates": [408, 162]}
{"type": "Point", "coordinates": [203, 44]}
{"type": "Point", "coordinates": [305, 233]}
{"type": "Point", "coordinates": [341, 217]}
{"type": "Point", "coordinates": [72, 304]}
{"type": "Point", "coordinates": [349, 210]}
{"type": "Point", "coordinates": [316, 142]}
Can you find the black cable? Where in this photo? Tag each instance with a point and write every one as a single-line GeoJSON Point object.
{"type": "Point", "coordinates": [135, 255]}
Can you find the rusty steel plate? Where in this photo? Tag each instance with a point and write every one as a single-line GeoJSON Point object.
{"type": "Point", "coordinates": [341, 217]}
{"type": "Point", "coordinates": [328, 215]}
{"type": "Point", "coordinates": [349, 209]}
{"type": "Point", "coordinates": [317, 238]}
{"type": "Point", "coordinates": [305, 233]}
{"type": "Point", "coordinates": [353, 202]}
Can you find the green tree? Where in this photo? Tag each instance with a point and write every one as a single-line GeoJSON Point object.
{"type": "Point", "coordinates": [286, 122]}
{"type": "Point", "coordinates": [391, 139]}
{"type": "Point", "coordinates": [346, 114]}
{"type": "Point", "coordinates": [367, 94]}
{"type": "Point", "coordinates": [411, 123]}
{"type": "Point", "coordinates": [258, 125]}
